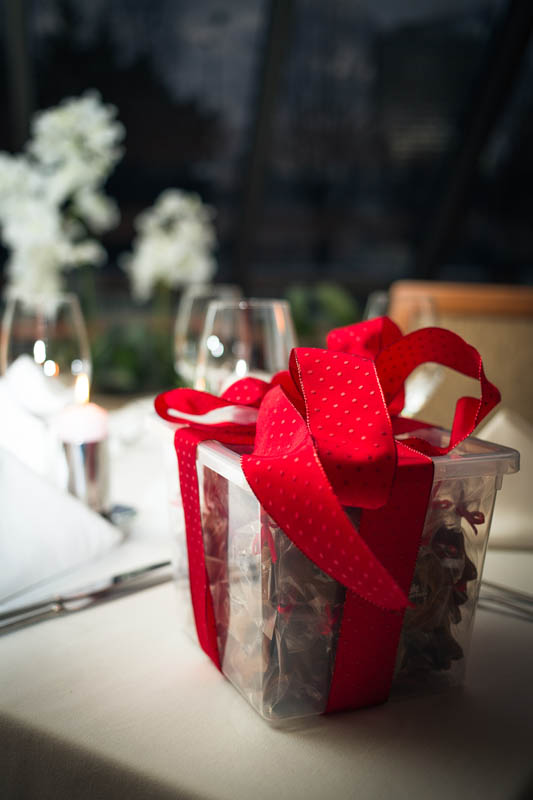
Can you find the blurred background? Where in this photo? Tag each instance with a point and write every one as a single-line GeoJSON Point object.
{"type": "Point", "coordinates": [344, 145]}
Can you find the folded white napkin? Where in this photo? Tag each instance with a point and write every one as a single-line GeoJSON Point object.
{"type": "Point", "coordinates": [512, 522]}
{"type": "Point", "coordinates": [43, 530]}
{"type": "Point", "coordinates": [21, 433]}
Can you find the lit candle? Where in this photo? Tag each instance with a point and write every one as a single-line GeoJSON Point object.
{"type": "Point", "coordinates": [82, 429]}
{"type": "Point", "coordinates": [80, 423]}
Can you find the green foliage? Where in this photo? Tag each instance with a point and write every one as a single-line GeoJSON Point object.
{"type": "Point", "coordinates": [133, 358]}
{"type": "Point", "coordinates": [133, 351]}
{"type": "Point", "coordinates": [318, 308]}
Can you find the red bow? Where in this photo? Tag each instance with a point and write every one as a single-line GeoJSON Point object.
{"type": "Point", "coordinates": [325, 438]}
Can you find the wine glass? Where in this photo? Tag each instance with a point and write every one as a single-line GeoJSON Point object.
{"type": "Point", "coordinates": [377, 304]}
{"type": "Point", "coordinates": [44, 353]}
{"type": "Point", "coordinates": [243, 338]}
{"type": "Point", "coordinates": [190, 320]}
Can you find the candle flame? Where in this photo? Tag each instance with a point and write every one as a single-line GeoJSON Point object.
{"type": "Point", "coordinates": [81, 388]}
{"type": "Point", "coordinates": [39, 351]}
{"type": "Point", "coordinates": [51, 368]}
{"type": "Point", "coordinates": [280, 319]}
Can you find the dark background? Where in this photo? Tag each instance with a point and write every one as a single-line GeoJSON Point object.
{"type": "Point", "coordinates": [359, 142]}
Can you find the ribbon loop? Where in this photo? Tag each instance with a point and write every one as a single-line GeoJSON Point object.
{"type": "Point", "coordinates": [368, 339]}
{"type": "Point", "coordinates": [349, 422]}
{"type": "Point", "coordinates": [230, 418]}
{"type": "Point", "coordinates": [396, 362]}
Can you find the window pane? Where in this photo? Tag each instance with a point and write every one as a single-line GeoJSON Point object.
{"type": "Point", "coordinates": [372, 103]}
{"type": "Point", "coordinates": [496, 241]}
{"type": "Point", "coordinates": [368, 112]}
{"type": "Point", "coordinates": [182, 76]}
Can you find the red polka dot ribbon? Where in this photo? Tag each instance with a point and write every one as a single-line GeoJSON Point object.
{"type": "Point", "coordinates": [324, 439]}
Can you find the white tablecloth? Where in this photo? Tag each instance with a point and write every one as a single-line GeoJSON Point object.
{"type": "Point", "coordinates": [115, 702]}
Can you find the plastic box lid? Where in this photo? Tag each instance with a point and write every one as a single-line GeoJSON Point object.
{"type": "Point", "coordinates": [472, 457]}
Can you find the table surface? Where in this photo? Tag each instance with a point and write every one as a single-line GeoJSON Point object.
{"type": "Point", "coordinates": [116, 702]}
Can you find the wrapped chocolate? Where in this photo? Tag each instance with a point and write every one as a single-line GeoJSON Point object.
{"type": "Point", "coordinates": [308, 532]}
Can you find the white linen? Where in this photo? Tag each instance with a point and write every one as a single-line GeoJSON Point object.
{"type": "Point", "coordinates": [128, 556]}
{"type": "Point", "coordinates": [43, 530]}
{"type": "Point", "coordinates": [144, 471]}
{"type": "Point", "coordinates": [115, 703]}
{"type": "Point", "coordinates": [512, 523]}
{"type": "Point", "coordinates": [21, 433]}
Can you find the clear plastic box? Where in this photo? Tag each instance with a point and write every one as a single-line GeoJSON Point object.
{"type": "Point", "coordinates": [278, 619]}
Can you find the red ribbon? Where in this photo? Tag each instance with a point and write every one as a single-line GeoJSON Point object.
{"type": "Point", "coordinates": [324, 439]}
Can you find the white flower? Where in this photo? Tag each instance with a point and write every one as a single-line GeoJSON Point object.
{"type": "Point", "coordinates": [39, 243]}
{"type": "Point", "coordinates": [30, 220]}
{"type": "Point", "coordinates": [52, 196]}
{"type": "Point", "coordinates": [42, 279]}
{"type": "Point", "coordinates": [77, 143]}
{"type": "Point", "coordinates": [18, 180]}
{"type": "Point", "coordinates": [174, 244]}
{"type": "Point", "coordinates": [98, 211]}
